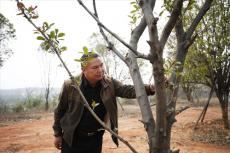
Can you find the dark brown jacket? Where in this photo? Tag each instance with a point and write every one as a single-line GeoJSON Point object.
{"type": "Point", "coordinates": [70, 105]}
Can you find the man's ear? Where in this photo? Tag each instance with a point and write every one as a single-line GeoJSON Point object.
{"type": "Point", "coordinates": [82, 69]}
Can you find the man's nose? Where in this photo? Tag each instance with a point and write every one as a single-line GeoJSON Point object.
{"type": "Point", "coordinates": [100, 69]}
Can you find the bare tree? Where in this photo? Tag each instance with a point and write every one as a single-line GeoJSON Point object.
{"type": "Point", "coordinates": [48, 75]}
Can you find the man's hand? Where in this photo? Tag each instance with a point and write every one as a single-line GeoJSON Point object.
{"type": "Point", "coordinates": [58, 142]}
{"type": "Point", "coordinates": [152, 86]}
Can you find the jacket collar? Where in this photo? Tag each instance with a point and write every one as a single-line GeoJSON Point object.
{"type": "Point", "coordinates": [103, 81]}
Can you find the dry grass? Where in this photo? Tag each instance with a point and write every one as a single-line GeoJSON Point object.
{"type": "Point", "coordinates": [201, 103]}
{"type": "Point", "coordinates": [211, 131]}
{"type": "Point", "coordinates": [7, 119]}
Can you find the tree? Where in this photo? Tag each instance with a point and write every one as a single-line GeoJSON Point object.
{"type": "Point", "coordinates": [47, 78]}
{"type": "Point", "coordinates": [7, 32]}
{"type": "Point", "coordinates": [208, 62]}
{"type": "Point", "coordinates": [159, 131]}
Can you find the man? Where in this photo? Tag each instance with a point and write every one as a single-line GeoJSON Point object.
{"type": "Point", "coordinates": [75, 129]}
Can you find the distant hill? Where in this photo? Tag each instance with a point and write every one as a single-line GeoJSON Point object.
{"type": "Point", "coordinates": [10, 95]}
{"type": "Point", "coordinates": [23, 90]}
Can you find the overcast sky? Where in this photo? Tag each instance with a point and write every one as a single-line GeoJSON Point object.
{"type": "Point", "coordinates": [25, 67]}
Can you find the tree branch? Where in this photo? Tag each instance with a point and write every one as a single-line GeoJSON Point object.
{"type": "Point", "coordinates": [172, 21]}
{"type": "Point", "coordinates": [176, 151]}
{"type": "Point", "coordinates": [193, 39]}
{"type": "Point", "coordinates": [110, 45]}
{"type": "Point", "coordinates": [181, 110]}
{"type": "Point", "coordinates": [102, 25]}
{"type": "Point", "coordinates": [151, 22]}
{"type": "Point", "coordinates": [143, 56]}
{"type": "Point", "coordinates": [199, 16]}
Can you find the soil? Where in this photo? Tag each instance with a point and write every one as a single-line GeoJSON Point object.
{"type": "Point", "coordinates": [31, 132]}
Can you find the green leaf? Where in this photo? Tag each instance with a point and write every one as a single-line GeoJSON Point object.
{"type": "Point", "coordinates": [134, 19]}
{"type": "Point", "coordinates": [133, 11]}
{"type": "Point", "coordinates": [169, 90]}
{"type": "Point", "coordinates": [29, 9]}
{"type": "Point", "coordinates": [51, 24]}
{"type": "Point", "coordinates": [35, 16]}
{"type": "Point", "coordinates": [132, 2]}
{"type": "Point", "coordinates": [40, 38]}
{"type": "Point", "coordinates": [178, 62]}
{"type": "Point", "coordinates": [19, 14]}
{"type": "Point", "coordinates": [52, 33]}
{"type": "Point", "coordinates": [161, 12]}
{"type": "Point", "coordinates": [94, 104]}
{"type": "Point", "coordinates": [77, 60]}
{"type": "Point", "coordinates": [56, 31]}
{"type": "Point", "coordinates": [77, 83]}
{"type": "Point", "coordinates": [91, 54]}
{"type": "Point", "coordinates": [63, 48]}
{"type": "Point", "coordinates": [46, 24]}
{"type": "Point", "coordinates": [75, 78]}
{"type": "Point", "coordinates": [177, 74]}
{"type": "Point", "coordinates": [61, 34]}
{"type": "Point", "coordinates": [100, 129]}
{"type": "Point", "coordinates": [45, 43]}
{"type": "Point", "coordinates": [85, 49]}
{"type": "Point", "coordinates": [115, 129]}
{"type": "Point", "coordinates": [60, 65]}
{"type": "Point", "coordinates": [36, 33]}
{"type": "Point", "coordinates": [47, 48]}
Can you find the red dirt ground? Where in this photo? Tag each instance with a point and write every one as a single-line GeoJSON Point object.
{"type": "Point", "coordinates": [36, 135]}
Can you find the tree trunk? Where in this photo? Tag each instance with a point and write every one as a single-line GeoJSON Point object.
{"type": "Point", "coordinates": [188, 92]}
{"type": "Point", "coordinates": [47, 101]}
{"type": "Point", "coordinates": [223, 99]}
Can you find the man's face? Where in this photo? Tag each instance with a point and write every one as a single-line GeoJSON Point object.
{"type": "Point", "coordinates": [94, 70]}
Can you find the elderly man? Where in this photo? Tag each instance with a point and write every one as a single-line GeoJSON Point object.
{"type": "Point", "coordinates": [75, 129]}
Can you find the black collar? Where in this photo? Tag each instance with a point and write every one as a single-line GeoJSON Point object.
{"type": "Point", "coordinates": [86, 82]}
{"type": "Point", "coordinates": [102, 81]}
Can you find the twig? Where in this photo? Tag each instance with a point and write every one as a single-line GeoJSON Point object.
{"type": "Point", "coordinates": [76, 86]}
{"type": "Point", "coordinates": [181, 110]}
{"type": "Point", "coordinates": [110, 45]}
{"type": "Point", "coordinates": [176, 151]}
{"type": "Point", "coordinates": [102, 25]}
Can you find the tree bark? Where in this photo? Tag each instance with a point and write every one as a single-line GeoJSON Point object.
{"type": "Point", "coordinates": [223, 99]}
{"type": "Point", "coordinates": [188, 92]}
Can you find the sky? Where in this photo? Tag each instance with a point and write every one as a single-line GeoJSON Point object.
{"type": "Point", "coordinates": [26, 66]}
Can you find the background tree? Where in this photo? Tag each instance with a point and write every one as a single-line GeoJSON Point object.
{"type": "Point", "coordinates": [48, 74]}
{"type": "Point", "coordinates": [7, 32]}
{"type": "Point", "coordinates": [208, 61]}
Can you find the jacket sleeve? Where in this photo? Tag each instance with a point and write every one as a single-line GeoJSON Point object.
{"type": "Point", "coordinates": [60, 110]}
{"type": "Point", "coordinates": [128, 91]}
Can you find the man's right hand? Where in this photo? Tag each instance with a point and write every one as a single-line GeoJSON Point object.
{"type": "Point", "coordinates": [58, 142]}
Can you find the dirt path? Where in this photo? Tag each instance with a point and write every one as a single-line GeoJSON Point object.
{"type": "Point", "coordinates": [36, 135]}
